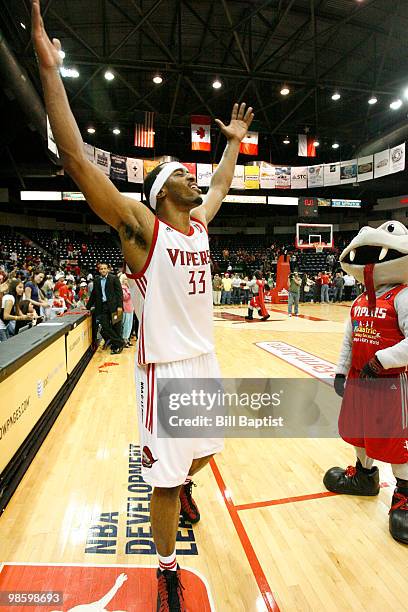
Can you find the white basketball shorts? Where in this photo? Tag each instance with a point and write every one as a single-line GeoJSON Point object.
{"type": "Point", "coordinates": [166, 461]}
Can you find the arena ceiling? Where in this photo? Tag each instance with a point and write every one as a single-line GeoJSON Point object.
{"type": "Point", "coordinates": [254, 47]}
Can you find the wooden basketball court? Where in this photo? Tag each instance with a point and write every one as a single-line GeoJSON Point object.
{"type": "Point", "coordinates": [271, 537]}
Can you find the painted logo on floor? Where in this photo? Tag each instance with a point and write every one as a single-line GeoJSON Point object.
{"type": "Point", "coordinates": [64, 588]}
{"type": "Point", "coordinates": [307, 362]}
{"type": "Point", "coordinates": [131, 534]}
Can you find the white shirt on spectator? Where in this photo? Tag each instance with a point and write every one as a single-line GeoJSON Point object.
{"type": "Point", "coordinates": [349, 281]}
{"type": "Point", "coordinates": [6, 298]}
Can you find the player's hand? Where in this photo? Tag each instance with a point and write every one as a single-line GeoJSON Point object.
{"type": "Point", "coordinates": [241, 119]}
{"type": "Point", "coordinates": [47, 51]}
{"type": "Point", "coordinates": [372, 369]}
{"type": "Point", "coordinates": [339, 384]}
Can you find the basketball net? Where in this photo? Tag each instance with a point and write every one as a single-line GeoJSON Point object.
{"type": "Point", "coordinates": [318, 247]}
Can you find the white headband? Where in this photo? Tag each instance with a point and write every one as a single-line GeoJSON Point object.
{"type": "Point", "coordinates": [161, 178]}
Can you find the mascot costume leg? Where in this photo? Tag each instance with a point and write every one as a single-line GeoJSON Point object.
{"type": "Point", "coordinates": [372, 373]}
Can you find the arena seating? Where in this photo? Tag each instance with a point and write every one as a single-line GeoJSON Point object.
{"type": "Point", "coordinates": [245, 253]}
{"type": "Point", "coordinates": [99, 247]}
{"type": "Point", "coordinates": [11, 241]}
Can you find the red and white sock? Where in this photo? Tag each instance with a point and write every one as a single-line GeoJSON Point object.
{"type": "Point", "coordinates": [168, 563]}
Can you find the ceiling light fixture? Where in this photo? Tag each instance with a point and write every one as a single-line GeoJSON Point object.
{"type": "Point", "coordinates": [335, 145]}
{"type": "Point", "coordinates": [373, 100]}
{"type": "Point", "coordinates": [91, 130]}
{"type": "Point", "coordinates": [316, 143]}
{"type": "Point", "coordinates": [285, 90]}
{"type": "Point", "coordinates": [109, 76]}
{"type": "Point", "coordinates": [157, 79]}
{"type": "Point", "coordinates": [217, 84]}
{"type": "Point", "coordinates": [336, 96]}
{"type": "Point", "coordinates": [70, 73]}
{"type": "Point", "coordinates": [116, 131]}
{"type": "Point", "coordinates": [23, 25]}
{"type": "Point", "coordinates": [396, 104]}
{"type": "Point", "coordinates": [286, 140]}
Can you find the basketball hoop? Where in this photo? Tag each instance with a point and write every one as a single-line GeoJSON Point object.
{"type": "Point", "coordinates": [318, 247]}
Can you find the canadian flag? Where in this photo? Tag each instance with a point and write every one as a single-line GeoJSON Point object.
{"type": "Point", "coordinates": [249, 145]}
{"type": "Point", "coordinates": [200, 133]}
{"type": "Point", "coordinates": [306, 147]}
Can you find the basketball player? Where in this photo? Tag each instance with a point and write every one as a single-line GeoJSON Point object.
{"type": "Point", "coordinates": [374, 415]}
{"type": "Point", "coordinates": [257, 286]}
{"type": "Point", "coordinates": [167, 254]}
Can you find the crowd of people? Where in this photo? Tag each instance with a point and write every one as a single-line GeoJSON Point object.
{"type": "Point", "coordinates": [234, 289]}
{"type": "Point", "coordinates": [29, 297]}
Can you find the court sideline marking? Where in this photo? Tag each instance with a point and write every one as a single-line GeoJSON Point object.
{"type": "Point", "coordinates": [261, 580]}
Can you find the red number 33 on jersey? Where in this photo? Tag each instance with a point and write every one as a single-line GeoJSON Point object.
{"type": "Point", "coordinates": [197, 281]}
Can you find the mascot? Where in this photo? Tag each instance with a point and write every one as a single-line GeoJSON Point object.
{"type": "Point", "coordinates": [371, 375]}
{"type": "Point", "coordinates": [257, 286]}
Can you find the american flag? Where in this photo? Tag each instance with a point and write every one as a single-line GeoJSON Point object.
{"type": "Point", "coordinates": [144, 132]}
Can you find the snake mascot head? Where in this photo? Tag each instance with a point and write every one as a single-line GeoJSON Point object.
{"type": "Point", "coordinates": [374, 417]}
{"type": "Point", "coordinates": [377, 257]}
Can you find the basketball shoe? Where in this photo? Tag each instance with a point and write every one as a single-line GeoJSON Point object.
{"type": "Point", "coordinates": [353, 481]}
{"type": "Point", "coordinates": [170, 591]}
{"type": "Point", "coordinates": [398, 516]}
{"type": "Point", "coordinates": [189, 510]}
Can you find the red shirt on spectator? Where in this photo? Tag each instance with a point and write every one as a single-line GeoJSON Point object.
{"type": "Point", "coordinates": [325, 279]}
{"type": "Point", "coordinates": [60, 283]}
{"type": "Point", "coordinates": [67, 294]}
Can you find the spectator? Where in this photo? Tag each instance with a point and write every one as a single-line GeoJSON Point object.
{"type": "Point", "coordinates": [330, 261]}
{"type": "Point", "coordinates": [236, 289]}
{"type": "Point", "coordinates": [127, 320]}
{"type": "Point", "coordinates": [107, 298]}
{"type": "Point", "coordinates": [26, 308]}
{"type": "Point", "coordinates": [83, 293]}
{"type": "Point", "coordinates": [217, 287]}
{"type": "Point", "coordinates": [58, 305]}
{"type": "Point", "coordinates": [10, 309]}
{"type": "Point", "coordinates": [294, 283]}
{"type": "Point", "coordinates": [48, 287]}
{"type": "Point", "coordinates": [349, 283]}
{"type": "Point", "coordinates": [33, 291]}
{"type": "Point", "coordinates": [303, 286]}
{"type": "Point", "coordinates": [226, 289]}
{"type": "Point", "coordinates": [67, 294]}
{"type": "Point", "coordinates": [324, 292]}
{"type": "Point", "coordinates": [246, 290]}
{"type": "Point", "coordinates": [89, 278]}
{"type": "Point", "coordinates": [317, 288]}
{"type": "Point", "coordinates": [338, 287]}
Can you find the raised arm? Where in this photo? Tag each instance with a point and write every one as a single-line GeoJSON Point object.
{"type": "Point", "coordinates": [103, 197]}
{"type": "Point", "coordinates": [235, 132]}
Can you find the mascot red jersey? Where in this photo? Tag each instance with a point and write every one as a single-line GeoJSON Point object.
{"type": "Point", "coordinates": [257, 286]}
{"type": "Point", "coordinates": [371, 375]}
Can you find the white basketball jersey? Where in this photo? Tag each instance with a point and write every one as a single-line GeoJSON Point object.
{"type": "Point", "coordinates": [172, 296]}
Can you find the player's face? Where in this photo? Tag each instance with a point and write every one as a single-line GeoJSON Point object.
{"type": "Point", "coordinates": [182, 188]}
{"type": "Point", "coordinates": [103, 270]}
